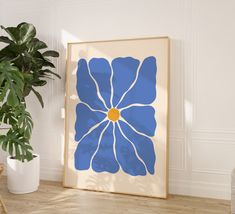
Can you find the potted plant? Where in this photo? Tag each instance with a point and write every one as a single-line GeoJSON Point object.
{"type": "Point", "coordinates": [23, 68]}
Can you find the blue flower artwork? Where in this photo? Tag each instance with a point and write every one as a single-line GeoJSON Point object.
{"type": "Point", "coordinates": [115, 121]}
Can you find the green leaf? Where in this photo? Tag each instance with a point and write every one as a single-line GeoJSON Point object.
{"type": "Point", "coordinates": [4, 145]}
{"type": "Point", "coordinates": [3, 93]}
{"type": "Point", "coordinates": [35, 44]}
{"type": "Point", "coordinates": [14, 53]}
{"type": "Point", "coordinates": [48, 64]}
{"type": "Point", "coordinates": [27, 90]}
{"type": "Point", "coordinates": [17, 48]}
{"type": "Point", "coordinates": [36, 63]}
{"type": "Point", "coordinates": [39, 97]}
{"type": "Point", "coordinates": [51, 53]}
{"type": "Point", "coordinates": [10, 148]}
{"type": "Point", "coordinates": [7, 115]}
{"type": "Point", "coordinates": [24, 121]}
{"type": "Point", "coordinates": [22, 23]}
{"type": "Point", "coordinates": [17, 152]}
{"type": "Point", "coordinates": [27, 77]}
{"type": "Point", "coordinates": [12, 32]}
{"type": "Point", "coordinates": [24, 32]}
{"type": "Point", "coordinates": [15, 143]}
{"type": "Point", "coordinates": [13, 82]}
{"type": "Point", "coordinates": [5, 39]}
{"type": "Point", "coordinates": [7, 54]}
{"type": "Point", "coordinates": [12, 99]}
{"type": "Point", "coordinates": [39, 82]}
{"type": "Point", "coordinates": [47, 71]}
{"type": "Point", "coordinates": [29, 156]}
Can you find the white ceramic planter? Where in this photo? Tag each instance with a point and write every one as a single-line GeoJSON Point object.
{"type": "Point", "coordinates": [23, 177]}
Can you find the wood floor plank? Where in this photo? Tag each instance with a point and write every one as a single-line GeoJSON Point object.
{"type": "Point", "coordinates": [53, 198]}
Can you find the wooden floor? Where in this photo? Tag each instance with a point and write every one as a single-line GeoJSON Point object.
{"type": "Point", "coordinates": [52, 198]}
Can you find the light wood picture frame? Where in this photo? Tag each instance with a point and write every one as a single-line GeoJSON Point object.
{"type": "Point", "coordinates": [116, 119]}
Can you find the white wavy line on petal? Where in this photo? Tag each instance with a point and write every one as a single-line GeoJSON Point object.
{"type": "Point", "coordinates": [92, 109]}
{"type": "Point", "coordinates": [133, 105]}
{"type": "Point", "coordinates": [114, 145]}
{"type": "Point", "coordinates": [111, 85]}
{"type": "Point", "coordinates": [98, 146]}
{"type": "Point", "coordinates": [131, 86]}
{"type": "Point", "coordinates": [97, 87]}
{"type": "Point", "coordinates": [136, 153]}
{"type": "Point", "coordinates": [138, 132]}
{"type": "Point", "coordinates": [91, 129]}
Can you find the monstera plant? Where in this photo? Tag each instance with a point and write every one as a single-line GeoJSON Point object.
{"type": "Point", "coordinates": [24, 66]}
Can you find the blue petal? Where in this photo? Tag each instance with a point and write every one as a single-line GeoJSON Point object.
{"type": "Point", "coordinates": [126, 156]}
{"type": "Point", "coordinates": [144, 90]}
{"type": "Point", "coordinates": [104, 160]}
{"type": "Point", "coordinates": [143, 145]}
{"type": "Point", "coordinates": [101, 71]}
{"type": "Point", "coordinates": [85, 119]}
{"type": "Point", "coordinates": [124, 73]}
{"type": "Point", "coordinates": [141, 118]}
{"type": "Point", "coordinates": [86, 88]}
{"type": "Point", "coordinates": [87, 147]}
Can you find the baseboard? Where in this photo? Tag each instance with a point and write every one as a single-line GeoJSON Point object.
{"type": "Point", "coordinates": [200, 189]}
{"type": "Point", "coordinates": [178, 187]}
{"type": "Point", "coordinates": [51, 174]}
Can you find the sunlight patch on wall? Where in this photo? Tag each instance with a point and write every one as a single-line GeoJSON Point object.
{"type": "Point", "coordinates": [67, 37]}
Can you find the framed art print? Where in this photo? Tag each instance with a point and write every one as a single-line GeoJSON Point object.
{"type": "Point", "coordinates": [116, 129]}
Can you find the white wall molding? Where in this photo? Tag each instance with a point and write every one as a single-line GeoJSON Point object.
{"type": "Point", "coordinates": [200, 140]}
{"type": "Point", "coordinates": [177, 159]}
{"type": "Point", "coordinates": [200, 189]}
{"type": "Point", "coordinates": [214, 135]}
{"type": "Point", "coordinates": [212, 171]}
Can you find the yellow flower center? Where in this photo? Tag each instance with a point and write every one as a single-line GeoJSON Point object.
{"type": "Point", "coordinates": [113, 114]}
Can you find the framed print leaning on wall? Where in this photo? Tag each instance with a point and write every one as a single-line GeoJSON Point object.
{"type": "Point", "coordinates": [117, 116]}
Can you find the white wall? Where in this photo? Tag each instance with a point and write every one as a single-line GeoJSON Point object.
{"type": "Point", "coordinates": [202, 104]}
